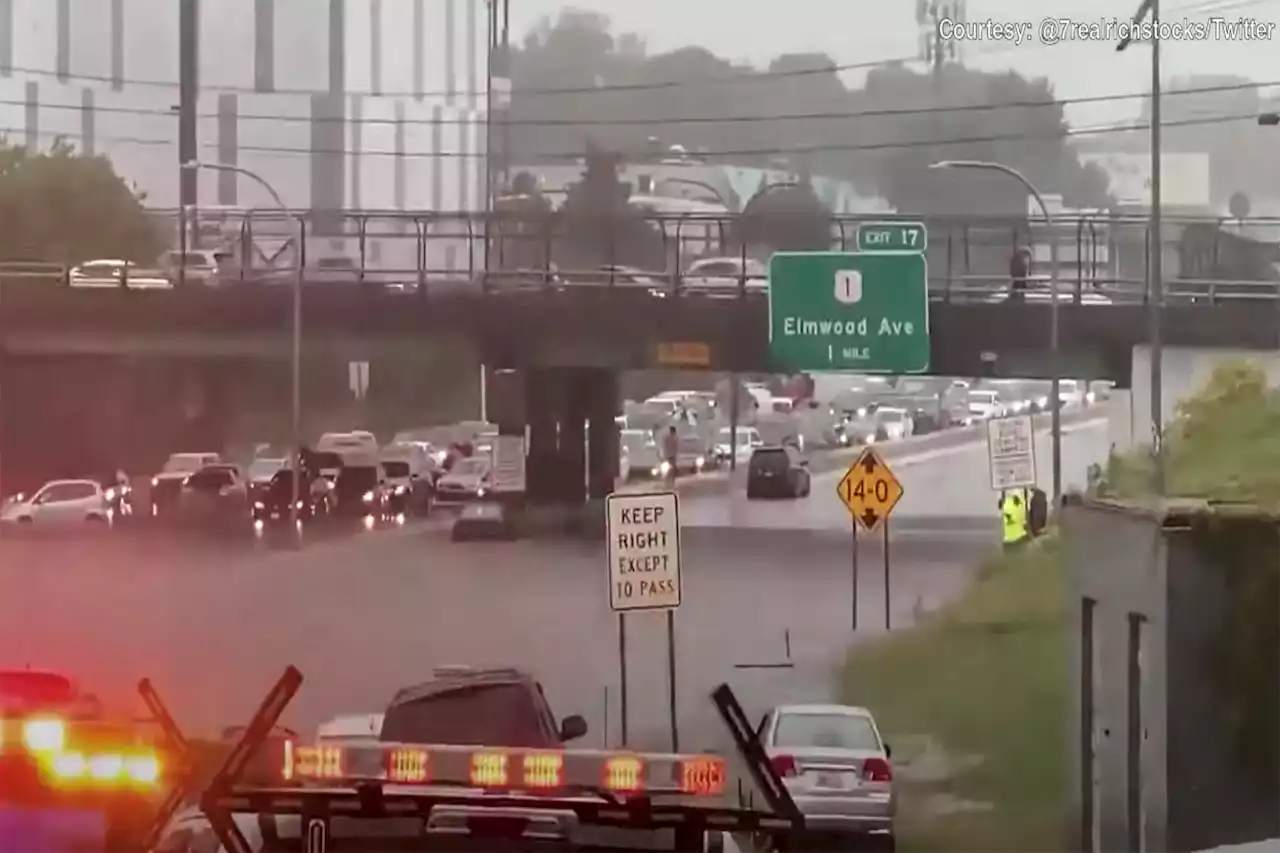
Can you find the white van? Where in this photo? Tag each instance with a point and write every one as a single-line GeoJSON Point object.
{"type": "Point", "coordinates": [344, 443]}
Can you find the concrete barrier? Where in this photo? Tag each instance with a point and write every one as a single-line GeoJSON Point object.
{"type": "Point", "coordinates": [824, 461]}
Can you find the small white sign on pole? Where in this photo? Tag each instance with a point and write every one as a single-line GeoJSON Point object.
{"type": "Point", "coordinates": [508, 464]}
{"type": "Point", "coordinates": [644, 551]}
{"type": "Point", "coordinates": [358, 378]}
{"type": "Point", "coordinates": [1011, 448]}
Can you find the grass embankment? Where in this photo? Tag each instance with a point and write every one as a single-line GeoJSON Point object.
{"type": "Point", "coordinates": [974, 699]}
{"type": "Point", "coordinates": [973, 702]}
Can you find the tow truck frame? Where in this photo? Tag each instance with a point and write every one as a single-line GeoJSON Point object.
{"type": "Point", "coordinates": [224, 794]}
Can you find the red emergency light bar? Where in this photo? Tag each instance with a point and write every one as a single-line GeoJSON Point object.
{"type": "Point", "coordinates": [81, 754]}
{"type": "Point", "coordinates": [506, 769]}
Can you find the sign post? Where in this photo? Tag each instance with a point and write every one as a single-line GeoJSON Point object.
{"type": "Point", "coordinates": [1011, 449]}
{"type": "Point", "coordinates": [859, 311]}
{"type": "Point", "coordinates": [870, 491]}
{"type": "Point", "coordinates": [644, 574]}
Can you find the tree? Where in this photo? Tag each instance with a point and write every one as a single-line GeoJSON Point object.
{"type": "Point", "coordinates": [788, 218]}
{"type": "Point", "coordinates": [1030, 138]}
{"type": "Point", "coordinates": [626, 99]}
{"type": "Point", "coordinates": [65, 207]}
{"type": "Point", "coordinates": [598, 224]}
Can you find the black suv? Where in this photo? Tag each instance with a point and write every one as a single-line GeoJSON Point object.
{"type": "Point", "coordinates": [777, 472]}
{"type": "Point", "coordinates": [494, 707]}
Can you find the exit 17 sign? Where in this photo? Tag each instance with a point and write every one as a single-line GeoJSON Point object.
{"type": "Point", "coordinates": [892, 237]}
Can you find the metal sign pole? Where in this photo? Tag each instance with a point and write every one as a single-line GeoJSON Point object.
{"type": "Point", "coordinates": [622, 677]}
{"type": "Point", "coordinates": [885, 526]}
{"type": "Point", "coordinates": [853, 528]}
{"type": "Point", "coordinates": [671, 675]}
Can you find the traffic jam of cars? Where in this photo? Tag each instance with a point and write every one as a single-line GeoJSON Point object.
{"type": "Point", "coordinates": [343, 479]}
{"type": "Point", "coordinates": [676, 434]}
{"type": "Point", "coordinates": [348, 479]}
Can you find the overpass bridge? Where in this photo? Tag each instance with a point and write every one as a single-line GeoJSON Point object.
{"type": "Point", "coordinates": [560, 331]}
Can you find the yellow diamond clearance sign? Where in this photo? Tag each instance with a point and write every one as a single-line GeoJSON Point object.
{"type": "Point", "coordinates": [869, 489]}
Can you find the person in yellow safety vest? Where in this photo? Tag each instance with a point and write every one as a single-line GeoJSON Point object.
{"type": "Point", "coordinates": [1014, 505]}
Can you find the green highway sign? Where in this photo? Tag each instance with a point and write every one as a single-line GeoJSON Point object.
{"type": "Point", "coordinates": [866, 312]}
{"type": "Point", "coordinates": [892, 237]}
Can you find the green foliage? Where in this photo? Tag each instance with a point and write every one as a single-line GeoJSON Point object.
{"type": "Point", "coordinates": [63, 207]}
{"type": "Point", "coordinates": [1223, 444]}
{"type": "Point", "coordinates": [984, 681]}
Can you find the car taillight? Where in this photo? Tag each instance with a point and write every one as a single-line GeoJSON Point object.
{"type": "Point", "coordinates": [785, 765]}
{"type": "Point", "coordinates": [876, 770]}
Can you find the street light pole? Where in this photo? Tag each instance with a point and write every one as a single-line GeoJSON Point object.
{"type": "Point", "coordinates": [295, 356]}
{"type": "Point", "coordinates": [1055, 370]}
{"type": "Point", "coordinates": [1155, 292]}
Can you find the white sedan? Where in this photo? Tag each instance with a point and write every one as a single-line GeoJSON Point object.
{"type": "Point", "coordinates": [838, 770]}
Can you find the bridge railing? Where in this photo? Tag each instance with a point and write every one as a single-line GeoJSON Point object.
{"type": "Point", "coordinates": [1101, 258]}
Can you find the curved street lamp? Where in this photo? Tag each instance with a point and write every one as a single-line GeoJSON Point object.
{"type": "Point", "coordinates": [1054, 368]}
{"type": "Point", "coordinates": [295, 357]}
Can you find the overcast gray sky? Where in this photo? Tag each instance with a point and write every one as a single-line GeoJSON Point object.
{"type": "Point", "coordinates": [856, 31]}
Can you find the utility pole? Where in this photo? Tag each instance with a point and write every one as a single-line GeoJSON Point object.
{"type": "Point", "coordinates": [1150, 9]}
{"type": "Point", "coordinates": [188, 98]}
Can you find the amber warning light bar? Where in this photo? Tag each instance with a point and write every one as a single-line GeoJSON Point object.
{"type": "Point", "coordinates": [523, 788]}
{"type": "Point", "coordinates": [508, 769]}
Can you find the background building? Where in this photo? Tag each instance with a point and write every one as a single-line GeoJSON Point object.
{"type": "Point", "coordinates": [339, 104]}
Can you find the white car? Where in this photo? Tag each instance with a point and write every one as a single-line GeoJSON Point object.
{"type": "Point", "coordinates": [725, 277]}
{"type": "Point", "coordinates": [468, 480]}
{"type": "Point", "coordinates": [351, 727]}
{"type": "Point", "coordinates": [983, 406]}
{"type": "Point", "coordinates": [117, 273]}
{"type": "Point", "coordinates": [61, 503]}
{"type": "Point", "coordinates": [893, 423]}
{"type": "Point", "coordinates": [747, 440]}
{"type": "Point", "coordinates": [1071, 393]}
{"type": "Point", "coordinates": [837, 768]}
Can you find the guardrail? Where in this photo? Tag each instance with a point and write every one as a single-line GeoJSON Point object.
{"type": "Point", "coordinates": [1101, 258]}
{"type": "Point", "coordinates": [972, 289]}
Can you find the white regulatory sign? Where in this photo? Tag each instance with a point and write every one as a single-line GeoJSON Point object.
{"type": "Point", "coordinates": [644, 551]}
{"type": "Point", "coordinates": [508, 464]}
{"type": "Point", "coordinates": [1012, 450]}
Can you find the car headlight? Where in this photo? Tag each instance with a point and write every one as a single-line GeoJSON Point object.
{"type": "Point", "coordinates": [368, 497]}
{"type": "Point", "coordinates": [400, 490]}
{"type": "Point", "coordinates": [862, 413]}
{"type": "Point", "coordinates": [259, 505]}
{"type": "Point", "coordinates": [844, 439]}
{"type": "Point", "coordinates": [1042, 401]}
{"type": "Point", "coordinates": [109, 494]}
{"type": "Point", "coordinates": [700, 462]}
{"type": "Point", "coordinates": [155, 481]}
{"type": "Point", "coordinates": [664, 468]}
{"type": "Point", "coordinates": [481, 492]}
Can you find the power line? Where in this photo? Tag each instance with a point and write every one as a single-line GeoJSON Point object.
{"type": "Point", "coordinates": [751, 78]}
{"type": "Point", "coordinates": [641, 122]}
{"type": "Point", "coordinates": [755, 77]}
{"type": "Point", "coordinates": [723, 153]}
